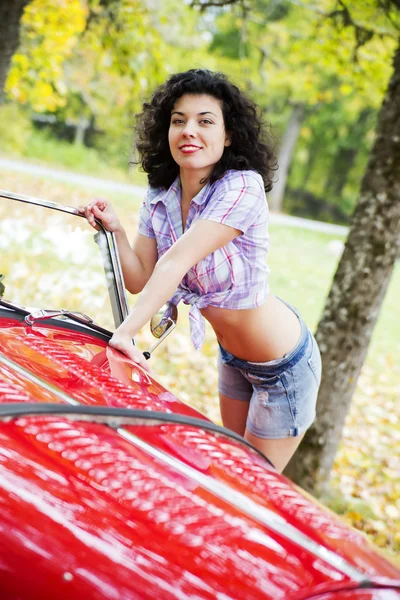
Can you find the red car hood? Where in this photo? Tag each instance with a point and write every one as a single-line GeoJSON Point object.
{"type": "Point", "coordinates": [150, 510]}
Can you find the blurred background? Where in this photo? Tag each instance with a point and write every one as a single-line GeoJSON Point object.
{"type": "Point", "coordinates": [83, 69]}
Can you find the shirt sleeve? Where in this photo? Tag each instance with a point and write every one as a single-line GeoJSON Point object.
{"type": "Point", "coordinates": [239, 202]}
{"type": "Point", "coordinates": [145, 226]}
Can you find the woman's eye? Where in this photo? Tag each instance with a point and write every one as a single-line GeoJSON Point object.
{"type": "Point", "coordinates": [206, 121]}
{"type": "Point", "coordinates": [177, 121]}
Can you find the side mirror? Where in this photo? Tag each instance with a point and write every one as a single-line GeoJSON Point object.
{"type": "Point", "coordinates": [3, 287]}
{"type": "Point", "coordinates": [161, 325]}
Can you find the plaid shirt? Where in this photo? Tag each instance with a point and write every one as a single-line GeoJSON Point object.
{"type": "Point", "coordinates": [235, 275]}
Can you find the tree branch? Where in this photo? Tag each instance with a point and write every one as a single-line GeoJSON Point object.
{"type": "Point", "coordinates": [204, 4]}
{"type": "Point", "coordinates": [342, 16]}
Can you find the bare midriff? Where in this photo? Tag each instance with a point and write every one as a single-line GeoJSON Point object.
{"type": "Point", "coordinates": [260, 334]}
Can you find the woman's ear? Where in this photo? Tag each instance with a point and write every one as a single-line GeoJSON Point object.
{"type": "Point", "coordinates": [228, 140]}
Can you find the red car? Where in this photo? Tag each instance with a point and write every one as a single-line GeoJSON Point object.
{"type": "Point", "coordinates": [110, 487]}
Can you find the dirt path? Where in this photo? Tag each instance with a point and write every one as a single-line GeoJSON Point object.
{"type": "Point", "coordinates": [110, 185]}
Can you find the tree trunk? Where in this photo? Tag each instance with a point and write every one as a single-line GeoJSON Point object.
{"type": "Point", "coordinates": [289, 140]}
{"type": "Point", "coordinates": [81, 125]}
{"type": "Point", "coordinates": [357, 292]}
{"type": "Point", "coordinates": [10, 16]}
{"type": "Point", "coordinates": [313, 151]}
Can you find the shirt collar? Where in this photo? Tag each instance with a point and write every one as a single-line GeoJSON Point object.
{"type": "Point", "coordinates": [163, 195]}
{"type": "Point", "coordinates": [201, 197]}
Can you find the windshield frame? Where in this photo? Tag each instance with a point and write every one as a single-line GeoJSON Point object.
{"type": "Point", "coordinates": [106, 242]}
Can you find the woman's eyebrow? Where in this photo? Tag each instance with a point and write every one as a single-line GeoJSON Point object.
{"type": "Point", "coordinates": [206, 112]}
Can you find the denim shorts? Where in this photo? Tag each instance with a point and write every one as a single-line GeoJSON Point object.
{"type": "Point", "coordinates": [282, 393]}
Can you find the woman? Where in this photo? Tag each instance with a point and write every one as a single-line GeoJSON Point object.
{"type": "Point", "coordinates": [203, 239]}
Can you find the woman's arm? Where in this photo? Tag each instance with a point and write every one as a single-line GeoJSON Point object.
{"type": "Point", "coordinates": [137, 262]}
{"type": "Point", "coordinates": [200, 240]}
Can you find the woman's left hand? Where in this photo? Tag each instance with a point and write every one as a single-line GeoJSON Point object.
{"type": "Point", "coordinates": [122, 342]}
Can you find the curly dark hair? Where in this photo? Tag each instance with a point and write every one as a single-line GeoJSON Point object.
{"type": "Point", "coordinates": [250, 147]}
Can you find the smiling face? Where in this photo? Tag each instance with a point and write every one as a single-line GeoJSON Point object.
{"type": "Point", "coordinates": [197, 136]}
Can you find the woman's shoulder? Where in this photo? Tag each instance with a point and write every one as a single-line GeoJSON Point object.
{"type": "Point", "coordinates": [155, 194]}
{"type": "Point", "coordinates": [234, 179]}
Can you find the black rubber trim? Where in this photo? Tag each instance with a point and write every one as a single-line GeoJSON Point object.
{"type": "Point", "coordinates": [363, 585]}
{"type": "Point", "coordinates": [16, 309]}
{"type": "Point", "coordinates": [80, 321]}
{"type": "Point", "coordinates": [15, 410]}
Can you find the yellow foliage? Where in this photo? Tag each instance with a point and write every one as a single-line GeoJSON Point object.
{"type": "Point", "coordinates": [112, 60]}
{"type": "Point", "coordinates": [49, 33]}
{"type": "Point", "coordinates": [346, 89]}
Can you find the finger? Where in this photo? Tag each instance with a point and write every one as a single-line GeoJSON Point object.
{"type": "Point", "coordinates": [90, 217]}
{"type": "Point", "coordinates": [100, 202]}
{"type": "Point", "coordinates": [101, 206]}
{"type": "Point", "coordinates": [91, 205]}
{"type": "Point", "coordinates": [144, 364]}
{"type": "Point", "coordinates": [83, 209]}
{"type": "Point", "coordinates": [117, 356]}
{"type": "Point", "coordinates": [142, 361]}
{"type": "Point", "coordinates": [136, 356]}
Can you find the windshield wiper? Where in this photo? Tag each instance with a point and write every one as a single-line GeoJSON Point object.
{"type": "Point", "coordinates": [39, 315]}
{"type": "Point", "coordinates": [32, 317]}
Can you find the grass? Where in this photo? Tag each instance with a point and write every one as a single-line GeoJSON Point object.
{"type": "Point", "coordinates": [302, 267]}
{"type": "Point", "coordinates": [365, 487]}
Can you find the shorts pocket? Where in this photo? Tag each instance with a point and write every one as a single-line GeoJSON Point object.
{"type": "Point", "coordinates": [272, 410]}
{"type": "Point", "coordinates": [261, 380]}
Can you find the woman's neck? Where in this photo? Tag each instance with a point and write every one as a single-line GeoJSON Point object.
{"type": "Point", "coordinates": [191, 183]}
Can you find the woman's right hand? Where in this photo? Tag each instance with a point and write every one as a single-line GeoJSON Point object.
{"type": "Point", "coordinates": [102, 211]}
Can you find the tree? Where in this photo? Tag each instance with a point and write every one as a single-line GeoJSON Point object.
{"type": "Point", "coordinates": [364, 270]}
{"type": "Point", "coordinates": [286, 148]}
{"type": "Point", "coordinates": [358, 289]}
{"type": "Point", "coordinates": [94, 61]}
{"type": "Point", "coordinates": [49, 34]}
{"type": "Point", "coordinates": [10, 17]}
{"type": "Point", "coordinates": [295, 63]}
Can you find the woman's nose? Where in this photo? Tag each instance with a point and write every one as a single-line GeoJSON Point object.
{"type": "Point", "coordinates": [189, 130]}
